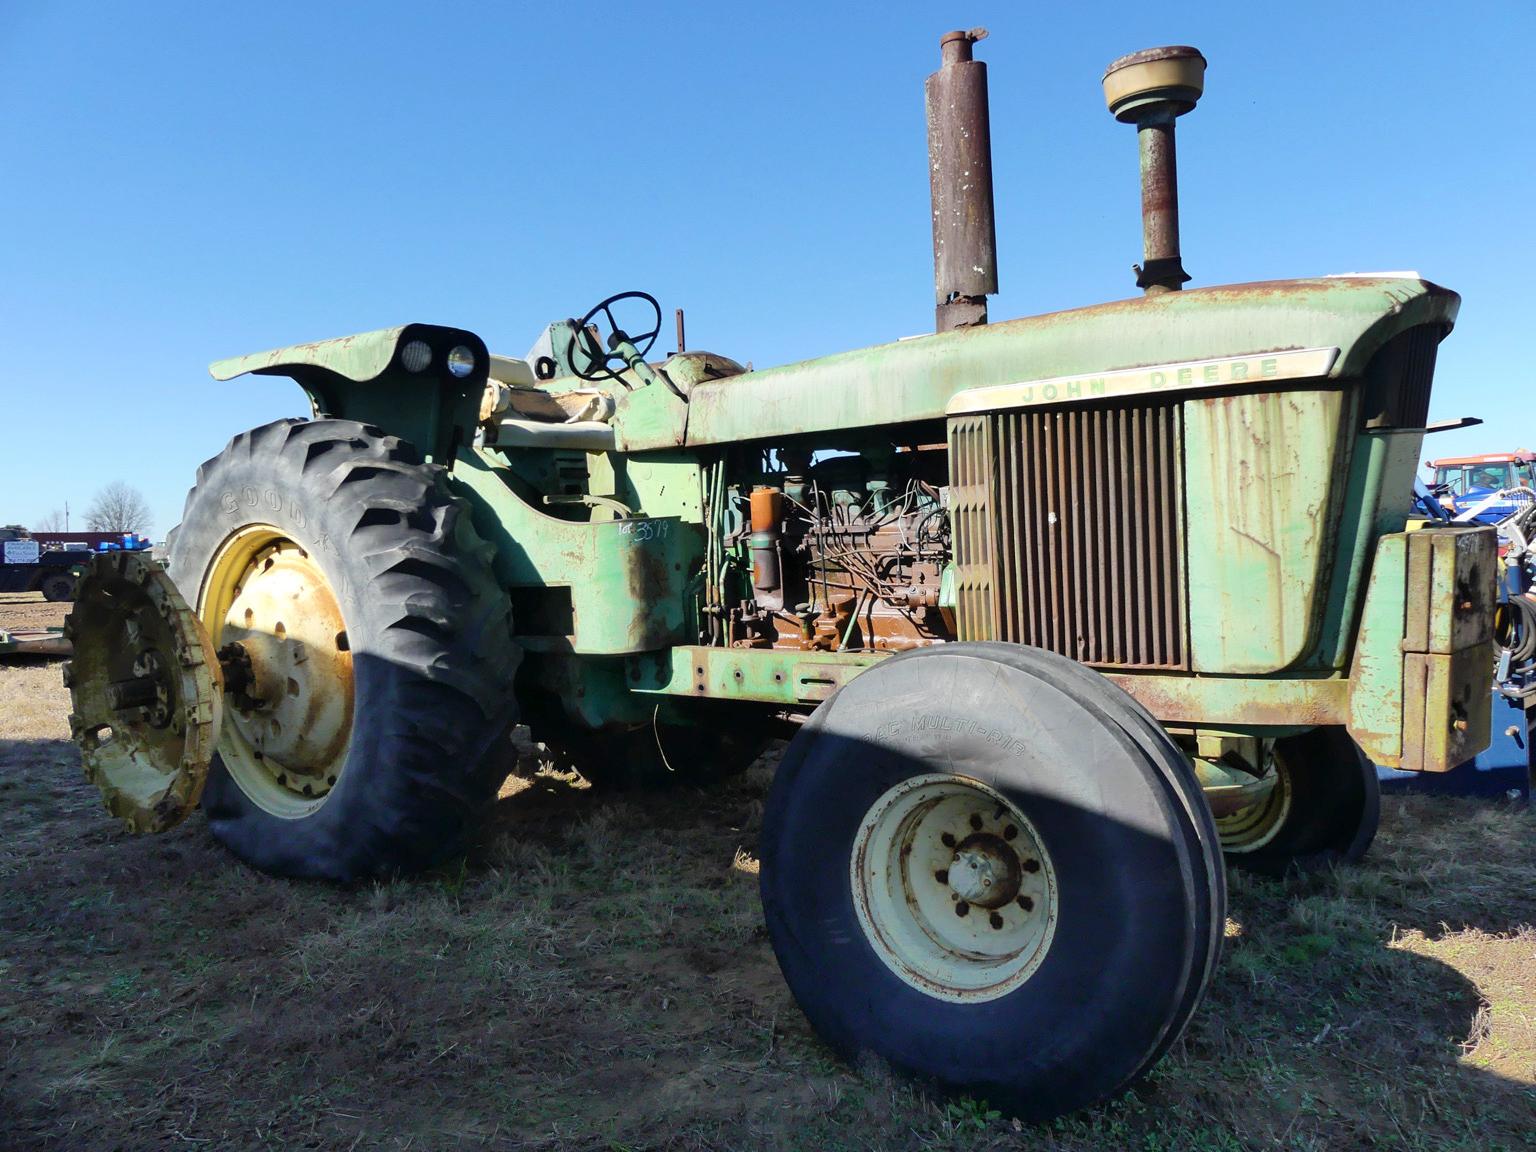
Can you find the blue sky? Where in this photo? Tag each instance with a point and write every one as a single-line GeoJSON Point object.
{"type": "Point", "coordinates": [186, 181]}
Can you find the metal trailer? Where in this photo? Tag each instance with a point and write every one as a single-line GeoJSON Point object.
{"type": "Point", "coordinates": [26, 567]}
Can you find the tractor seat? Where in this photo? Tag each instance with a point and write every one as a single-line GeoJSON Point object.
{"type": "Point", "coordinates": [513, 393]}
{"type": "Point", "coordinates": [513, 396]}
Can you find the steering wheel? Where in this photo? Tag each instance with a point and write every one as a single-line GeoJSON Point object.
{"type": "Point", "coordinates": [600, 363]}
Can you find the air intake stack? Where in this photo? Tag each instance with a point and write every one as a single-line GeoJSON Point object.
{"type": "Point", "coordinates": [960, 177]}
{"type": "Point", "coordinates": [1151, 89]}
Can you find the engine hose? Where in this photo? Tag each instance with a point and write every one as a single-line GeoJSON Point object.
{"type": "Point", "coordinates": [1514, 628]}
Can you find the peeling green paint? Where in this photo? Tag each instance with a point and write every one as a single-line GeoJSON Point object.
{"type": "Point", "coordinates": [1258, 473]}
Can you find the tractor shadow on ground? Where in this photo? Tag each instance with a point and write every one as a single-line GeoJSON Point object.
{"type": "Point", "coordinates": [1324, 1027]}
{"type": "Point", "coordinates": [551, 803]}
{"type": "Point", "coordinates": [1331, 996]}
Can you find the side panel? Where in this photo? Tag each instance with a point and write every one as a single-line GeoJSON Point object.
{"type": "Point", "coordinates": [1377, 498]}
{"type": "Point", "coordinates": [1259, 471]}
{"type": "Point", "coordinates": [1376, 680]}
{"type": "Point", "coordinates": [605, 588]}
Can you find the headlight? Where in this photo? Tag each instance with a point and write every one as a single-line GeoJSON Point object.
{"type": "Point", "coordinates": [415, 356]}
{"type": "Point", "coordinates": [461, 361]}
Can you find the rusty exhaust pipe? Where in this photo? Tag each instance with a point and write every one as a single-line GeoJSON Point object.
{"type": "Point", "coordinates": [1151, 89]}
{"type": "Point", "coordinates": [960, 179]}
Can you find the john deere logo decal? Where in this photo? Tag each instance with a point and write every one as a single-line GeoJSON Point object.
{"type": "Point", "coordinates": [1231, 371]}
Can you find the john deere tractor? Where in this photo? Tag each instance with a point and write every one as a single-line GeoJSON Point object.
{"type": "Point", "coordinates": [1059, 610]}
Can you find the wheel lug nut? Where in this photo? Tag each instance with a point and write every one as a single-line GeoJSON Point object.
{"type": "Point", "coordinates": [995, 920]}
{"type": "Point", "coordinates": [947, 840]}
{"type": "Point", "coordinates": [1031, 865]}
{"type": "Point", "coordinates": [1010, 832]}
{"type": "Point", "coordinates": [962, 908]}
{"type": "Point", "coordinates": [1026, 903]}
{"type": "Point", "coordinates": [942, 876]}
{"type": "Point", "coordinates": [975, 822]}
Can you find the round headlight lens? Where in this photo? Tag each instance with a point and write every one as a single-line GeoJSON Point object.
{"type": "Point", "coordinates": [461, 361]}
{"type": "Point", "coordinates": [415, 356]}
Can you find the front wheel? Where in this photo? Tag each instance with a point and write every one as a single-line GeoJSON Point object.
{"type": "Point", "coordinates": [976, 870]}
{"type": "Point", "coordinates": [366, 645]}
{"type": "Point", "coordinates": [1324, 808]}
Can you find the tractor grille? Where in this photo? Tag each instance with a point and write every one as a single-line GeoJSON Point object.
{"type": "Point", "coordinates": [1398, 378]}
{"type": "Point", "coordinates": [1069, 531]}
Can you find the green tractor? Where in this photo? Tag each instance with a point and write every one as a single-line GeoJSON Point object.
{"type": "Point", "coordinates": [1059, 611]}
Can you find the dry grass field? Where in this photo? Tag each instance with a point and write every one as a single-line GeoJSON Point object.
{"type": "Point", "coordinates": [594, 975]}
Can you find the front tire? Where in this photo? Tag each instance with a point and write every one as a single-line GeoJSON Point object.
{"type": "Point", "coordinates": [1064, 978]}
{"type": "Point", "coordinates": [367, 742]}
{"type": "Point", "coordinates": [1324, 809]}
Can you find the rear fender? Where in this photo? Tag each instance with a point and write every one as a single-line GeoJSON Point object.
{"type": "Point", "coordinates": [366, 378]}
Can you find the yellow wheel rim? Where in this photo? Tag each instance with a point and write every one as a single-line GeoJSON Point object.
{"type": "Point", "coordinates": [289, 691]}
{"type": "Point", "coordinates": [1255, 825]}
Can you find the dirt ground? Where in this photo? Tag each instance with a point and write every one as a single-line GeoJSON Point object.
{"type": "Point", "coordinates": [21, 610]}
{"type": "Point", "coordinates": [595, 975]}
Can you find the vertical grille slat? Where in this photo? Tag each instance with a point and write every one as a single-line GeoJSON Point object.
{"type": "Point", "coordinates": [1105, 480]}
{"type": "Point", "coordinates": [1008, 469]}
{"type": "Point", "coordinates": [1077, 630]}
{"type": "Point", "coordinates": [1032, 540]}
{"type": "Point", "coordinates": [1069, 531]}
{"type": "Point", "coordinates": [1119, 450]}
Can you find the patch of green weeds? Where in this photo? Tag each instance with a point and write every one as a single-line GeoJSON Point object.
{"type": "Point", "coordinates": [968, 1114]}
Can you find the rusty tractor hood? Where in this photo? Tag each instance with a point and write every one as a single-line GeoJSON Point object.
{"type": "Point", "coordinates": [1341, 320]}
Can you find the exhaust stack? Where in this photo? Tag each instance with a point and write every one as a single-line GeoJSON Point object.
{"type": "Point", "coordinates": [960, 178]}
{"type": "Point", "coordinates": [1151, 89]}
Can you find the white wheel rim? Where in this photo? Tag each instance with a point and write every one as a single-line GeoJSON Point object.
{"type": "Point", "coordinates": [953, 888]}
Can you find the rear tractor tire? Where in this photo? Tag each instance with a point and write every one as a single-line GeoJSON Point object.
{"type": "Point", "coordinates": [365, 736]}
{"type": "Point", "coordinates": [984, 867]}
{"type": "Point", "coordinates": [1324, 809]}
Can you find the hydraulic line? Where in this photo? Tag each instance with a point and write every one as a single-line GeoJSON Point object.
{"type": "Point", "coordinates": [1514, 628]}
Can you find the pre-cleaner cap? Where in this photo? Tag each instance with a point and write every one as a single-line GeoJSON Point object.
{"type": "Point", "coordinates": [1172, 76]}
